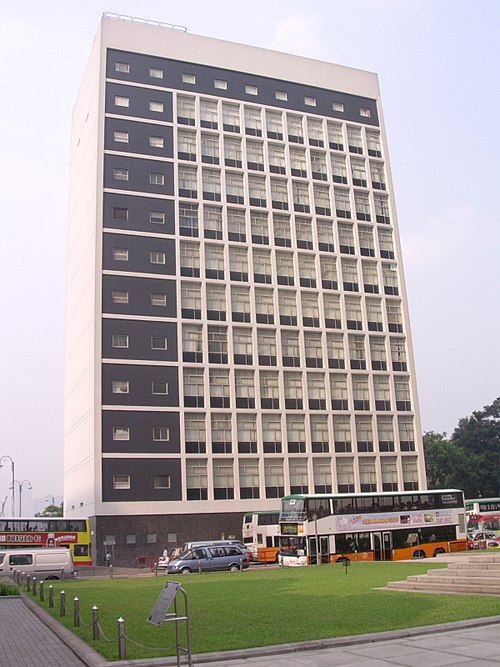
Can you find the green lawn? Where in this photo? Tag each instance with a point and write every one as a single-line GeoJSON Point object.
{"type": "Point", "coordinates": [260, 607]}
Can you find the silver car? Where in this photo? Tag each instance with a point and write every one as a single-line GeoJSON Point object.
{"type": "Point", "coordinates": [210, 559]}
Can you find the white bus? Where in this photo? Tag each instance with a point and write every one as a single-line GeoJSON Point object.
{"type": "Point", "coordinates": [261, 535]}
{"type": "Point", "coordinates": [329, 528]}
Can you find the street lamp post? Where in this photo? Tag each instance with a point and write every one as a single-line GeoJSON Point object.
{"type": "Point", "coordinates": [48, 497]}
{"type": "Point", "coordinates": [25, 481]}
{"type": "Point", "coordinates": [6, 456]}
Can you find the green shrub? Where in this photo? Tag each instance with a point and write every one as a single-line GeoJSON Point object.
{"type": "Point", "coordinates": [8, 587]}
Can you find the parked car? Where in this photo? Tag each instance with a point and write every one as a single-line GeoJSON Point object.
{"type": "Point", "coordinates": [482, 540]}
{"type": "Point", "coordinates": [210, 559]}
{"type": "Point", "coordinates": [485, 535]}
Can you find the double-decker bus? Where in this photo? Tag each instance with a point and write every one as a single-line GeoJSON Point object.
{"type": "Point", "coordinates": [261, 535]}
{"type": "Point", "coordinates": [483, 514]}
{"type": "Point", "coordinates": [328, 528]}
{"type": "Point", "coordinates": [48, 532]}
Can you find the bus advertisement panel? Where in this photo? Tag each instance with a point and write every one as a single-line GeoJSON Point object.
{"type": "Point", "coordinates": [261, 535]}
{"type": "Point", "coordinates": [48, 532]}
{"type": "Point", "coordinates": [325, 528]}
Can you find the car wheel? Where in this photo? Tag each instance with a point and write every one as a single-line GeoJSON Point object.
{"type": "Point", "coordinates": [234, 567]}
{"type": "Point", "coordinates": [185, 570]}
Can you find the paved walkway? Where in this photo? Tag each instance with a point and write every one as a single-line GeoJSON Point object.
{"type": "Point", "coordinates": [28, 641]}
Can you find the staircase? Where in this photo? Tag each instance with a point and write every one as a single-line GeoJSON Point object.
{"type": "Point", "coordinates": [477, 574]}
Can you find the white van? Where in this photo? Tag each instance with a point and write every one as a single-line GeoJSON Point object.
{"type": "Point", "coordinates": [51, 563]}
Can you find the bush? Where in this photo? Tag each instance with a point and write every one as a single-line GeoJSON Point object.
{"type": "Point", "coordinates": [8, 587]}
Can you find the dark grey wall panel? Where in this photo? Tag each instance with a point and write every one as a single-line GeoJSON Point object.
{"type": "Point", "coordinates": [142, 473]}
{"type": "Point", "coordinates": [139, 174]}
{"type": "Point", "coordinates": [236, 82]}
{"type": "Point", "coordinates": [128, 212]}
{"type": "Point", "coordinates": [139, 99]}
{"type": "Point", "coordinates": [138, 137]}
{"type": "Point", "coordinates": [139, 254]}
{"type": "Point", "coordinates": [140, 335]}
{"type": "Point", "coordinates": [139, 291]}
{"type": "Point", "coordinates": [140, 425]}
{"type": "Point", "coordinates": [140, 385]}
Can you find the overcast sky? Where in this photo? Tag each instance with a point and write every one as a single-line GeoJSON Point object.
{"type": "Point", "coordinates": [438, 63]}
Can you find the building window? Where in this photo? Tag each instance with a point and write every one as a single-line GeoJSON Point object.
{"type": "Point", "coordinates": [208, 114]}
{"type": "Point", "coordinates": [120, 213]}
{"type": "Point", "coordinates": [131, 539]}
{"type": "Point", "coordinates": [122, 67]}
{"type": "Point", "coordinates": [156, 257]}
{"type": "Point", "coordinates": [161, 481]}
{"type": "Point", "coordinates": [158, 343]}
{"type": "Point", "coordinates": [121, 482]}
{"type": "Point", "coordinates": [338, 106]}
{"type": "Point", "coordinates": [366, 113]}
{"type": "Point", "coordinates": [156, 179]}
{"type": "Point", "coordinates": [120, 137]}
{"type": "Point", "coordinates": [155, 73]}
{"type": "Point", "coordinates": [157, 217]}
{"type": "Point", "coordinates": [157, 107]}
{"type": "Point", "coordinates": [119, 340]}
{"type": "Point", "coordinates": [119, 296]}
{"type": "Point", "coordinates": [120, 254]}
{"type": "Point", "coordinates": [196, 480]}
{"type": "Point", "coordinates": [158, 299]}
{"type": "Point", "coordinates": [121, 433]}
{"type": "Point", "coordinates": [251, 90]}
{"type": "Point", "coordinates": [249, 479]}
{"type": "Point", "coordinates": [121, 101]}
{"type": "Point", "coordinates": [152, 538]}
{"type": "Point", "coordinates": [120, 174]}
{"type": "Point", "coordinates": [281, 95]}
{"type": "Point", "coordinates": [188, 78]}
{"type": "Point", "coordinates": [120, 386]}
{"type": "Point", "coordinates": [220, 84]}
{"type": "Point", "coordinates": [156, 142]}
{"type": "Point", "coordinates": [159, 387]}
{"type": "Point", "coordinates": [310, 101]}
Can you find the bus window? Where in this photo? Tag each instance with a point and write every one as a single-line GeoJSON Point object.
{"type": "Point", "coordinates": [319, 507]}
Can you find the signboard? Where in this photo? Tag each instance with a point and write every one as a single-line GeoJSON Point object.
{"type": "Point", "coordinates": [356, 522]}
{"type": "Point", "coordinates": [165, 599]}
{"type": "Point", "coordinates": [38, 539]}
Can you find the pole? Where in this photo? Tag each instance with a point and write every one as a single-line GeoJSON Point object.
{"type": "Point", "coordinates": [13, 477]}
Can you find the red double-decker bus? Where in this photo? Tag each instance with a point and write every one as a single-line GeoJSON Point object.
{"type": "Point", "coordinates": [48, 532]}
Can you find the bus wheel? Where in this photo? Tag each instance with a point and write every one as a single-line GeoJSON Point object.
{"type": "Point", "coordinates": [438, 551]}
{"type": "Point", "coordinates": [418, 554]}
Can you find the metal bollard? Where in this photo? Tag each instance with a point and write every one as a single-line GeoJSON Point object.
{"type": "Point", "coordinates": [28, 582]}
{"type": "Point", "coordinates": [76, 612]}
{"type": "Point", "coordinates": [62, 603]}
{"type": "Point", "coordinates": [121, 639]}
{"type": "Point", "coordinates": [51, 596]}
{"type": "Point", "coordinates": [34, 586]}
{"type": "Point", "coordinates": [42, 593]}
{"type": "Point", "coordinates": [95, 623]}
{"type": "Point", "coordinates": [111, 571]}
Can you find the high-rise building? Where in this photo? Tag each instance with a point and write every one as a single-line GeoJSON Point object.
{"type": "Point", "coordinates": [237, 326]}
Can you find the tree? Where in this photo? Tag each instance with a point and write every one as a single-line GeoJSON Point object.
{"type": "Point", "coordinates": [51, 510]}
{"type": "Point", "coordinates": [470, 459]}
{"type": "Point", "coordinates": [446, 463]}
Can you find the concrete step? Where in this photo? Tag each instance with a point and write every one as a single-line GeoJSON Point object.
{"type": "Point", "coordinates": [445, 577]}
{"type": "Point", "coordinates": [475, 567]}
{"type": "Point", "coordinates": [430, 587]}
